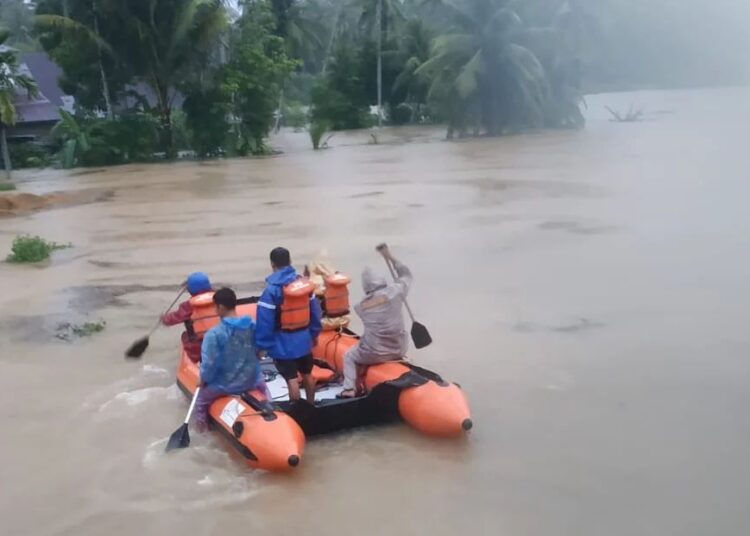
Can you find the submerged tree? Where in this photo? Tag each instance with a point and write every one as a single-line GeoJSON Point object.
{"type": "Point", "coordinates": [481, 74]}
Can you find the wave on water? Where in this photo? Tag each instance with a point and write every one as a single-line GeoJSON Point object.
{"type": "Point", "coordinates": [130, 389]}
{"type": "Point", "coordinates": [140, 396]}
{"type": "Point", "coordinates": [204, 476]}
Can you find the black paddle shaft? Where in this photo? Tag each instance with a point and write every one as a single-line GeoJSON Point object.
{"type": "Point", "coordinates": [419, 332]}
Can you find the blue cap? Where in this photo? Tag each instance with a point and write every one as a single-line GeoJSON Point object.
{"type": "Point", "coordinates": [198, 282]}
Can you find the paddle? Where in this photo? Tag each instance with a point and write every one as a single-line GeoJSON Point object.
{"type": "Point", "coordinates": [180, 438]}
{"type": "Point", "coordinates": [419, 333]}
{"type": "Point", "coordinates": [138, 347]}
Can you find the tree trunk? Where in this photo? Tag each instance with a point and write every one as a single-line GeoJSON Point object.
{"type": "Point", "coordinates": [165, 114]}
{"type": "Point", "coordinates": [6, 154]}
{"type": "Point", "coordinates": [331, 40]}
{"type": "Point", "coordinates": [277, 123]}
{"type": "Point", "coordinates": [379, 16]}
{"type": "Point", "coordinates": [166, 126]}
{"type": "Point", "coordinates": [105, 85]}
{"type": "Point", "coordinates": [65, 10]}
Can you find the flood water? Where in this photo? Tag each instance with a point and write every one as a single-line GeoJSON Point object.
{"type": "Point", "coordinates": [589, 290]}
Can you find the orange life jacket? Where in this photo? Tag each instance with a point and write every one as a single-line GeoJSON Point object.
{"type": "Point", "coordinates": [204, 315]}
{"type": "Point", "coordinates": [295, 306]}
{"type": "Point", "coordinates": [336, 296]}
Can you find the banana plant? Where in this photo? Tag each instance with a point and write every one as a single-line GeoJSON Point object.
{"type": "Point", "coordinates": [75, 139]}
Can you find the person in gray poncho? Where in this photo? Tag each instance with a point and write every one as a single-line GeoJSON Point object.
{"type": "Point", "coordinates": [381, 311]}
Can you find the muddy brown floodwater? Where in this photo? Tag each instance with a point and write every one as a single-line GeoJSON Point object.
{"type": "Point", "coordinates": [588, 289]}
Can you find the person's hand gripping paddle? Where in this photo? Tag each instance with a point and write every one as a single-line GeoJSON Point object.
{"type": "Point", "coordinates": [419, 333]}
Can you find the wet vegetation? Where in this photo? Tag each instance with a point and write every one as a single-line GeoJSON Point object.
{"type": "Point", "coordinates": [67, 331]}
{"type": "Point", "coordinates": [30, 249]}
{"type": "Point", "coordinates": [317, 130]}
{"type": "Point", "coordinates": [631, 116]}
{"type": "Point", "coordinates": [7, 186]}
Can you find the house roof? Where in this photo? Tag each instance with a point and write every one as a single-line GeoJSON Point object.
{"type": "Point", "coordinates": [46, 73]}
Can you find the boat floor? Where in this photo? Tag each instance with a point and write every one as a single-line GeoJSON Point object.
{"type": "Point", "coordinates": [280, 392]}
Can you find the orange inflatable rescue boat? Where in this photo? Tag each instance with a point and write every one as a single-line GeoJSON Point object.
{"type": "Point", "coordinates": [270, 434]}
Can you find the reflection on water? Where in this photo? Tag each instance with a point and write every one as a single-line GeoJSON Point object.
{"type": "Point", "coordinates": [588, 289]}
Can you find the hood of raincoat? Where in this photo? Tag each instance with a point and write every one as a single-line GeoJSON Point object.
{"type": "Point", "coordinates": [282, 277]}
{"type": "Point", "coordinates": [229, 363]}
{"type": "Point", "coordinates": [372, 282]}
{"type": "Point", "coordinates": [238, 322]}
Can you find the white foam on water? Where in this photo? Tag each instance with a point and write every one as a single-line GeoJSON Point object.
{"type": "Point", "coordinates": [220, 480]}
{"type": "Point", "coordinates": [153, 452]}
{"type": "Point", "coordinates": [141, 396]}
{"type": "Point", "coordinates": [154, 370]}
{"type": "Point", "coordinates": [109, 393]}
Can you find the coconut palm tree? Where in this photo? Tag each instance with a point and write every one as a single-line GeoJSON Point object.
{"type": "Point", "coordinates": [161, 40]}
{"type": "Point", "coordinates": [157, 41]}
{"type": "Point", "coordinates": [481, 74]}
{"type": "Point", "coordinates": [413, 51]}
{"type": "Point", "coordinates": [89, 30]}
{"type": "Point", "coordinates": [303, 26]}
{"type": "Point", "coordinates": [12, 83]}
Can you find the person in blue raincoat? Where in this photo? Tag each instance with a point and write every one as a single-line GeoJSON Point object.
{"type": "Point", "coordinates": [288, 334]}
{"type": "Point", "coordinates": [229, 360]}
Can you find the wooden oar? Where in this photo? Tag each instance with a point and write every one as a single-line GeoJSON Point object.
{"type": "Point", "coordinates": [180, 438]}
{"type": "Point", "coordinates": [138, 347]}
{"type": "Point", "coordinates": [419, 333]}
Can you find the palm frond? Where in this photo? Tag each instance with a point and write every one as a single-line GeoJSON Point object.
{"type": "Point", "coordinates": [468, 79]}
{"type": "Point", "coordinates": [66, 24]}
{"type": "Point", "coordinates": [7, 108]}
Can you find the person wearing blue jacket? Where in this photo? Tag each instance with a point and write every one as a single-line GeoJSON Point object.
{"type": "Point", "coordinates": [291, 349]}
{"type": "Point", "coordinates": [229, 360]}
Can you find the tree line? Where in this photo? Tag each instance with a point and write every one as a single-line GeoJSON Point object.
{"type": "Point", "coordinates": [216, 77]}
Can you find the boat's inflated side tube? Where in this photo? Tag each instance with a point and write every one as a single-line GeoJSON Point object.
{"type": "Point", "coordinates": [431, 406]}
{"type": "Point", "coordinates": [266, 439]}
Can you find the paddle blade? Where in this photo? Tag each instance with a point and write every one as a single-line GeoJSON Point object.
{"type": "Point", "coordinates": [420, 335]}
{"type": "Point", "coordinates": [137, 348]}
{"type": "Point", "coordinates": [180, 439]}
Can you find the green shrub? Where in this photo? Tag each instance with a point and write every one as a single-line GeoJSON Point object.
{"type": "Point", "coordinates": [295, 115]}
{"type": "Point", "coordinates": [67, 331]}
{"type": "Point", "coordinates": [29, 155]}
{"type": "Point", "coordinates": [27, 249]}
{"type": "Point", "coordinates": [400, 114]}
{"type": "Point", "coordinates": [7, 186]}
{"type": "Point", "coordinates": [94, 141]}
{"type": "Point", "coordinates": [340, 98]}
{"type": "Point", "coordinates": [317, 131]}
{"type": "Point", "coordinates": [180, 131]}
{"type": "Point", "coordinates": [88, 328]}
{"type": "Point", "coordinates": [206, 121]}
